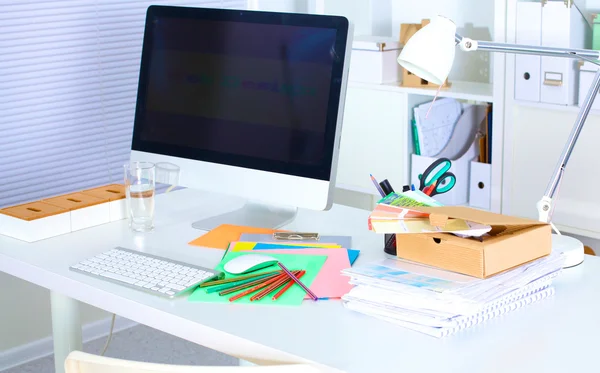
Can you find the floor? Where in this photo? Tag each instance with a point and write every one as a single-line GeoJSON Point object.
{"type": "Point", "coordinates": [140, 343]}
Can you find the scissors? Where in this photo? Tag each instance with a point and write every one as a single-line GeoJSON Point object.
{"type": "Point", "coordinates": [436, 179]}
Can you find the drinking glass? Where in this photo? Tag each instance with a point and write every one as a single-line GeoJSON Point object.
{"type": "Point", "coordinates": [140, 179]}
{"type": "Point", "coordinates": [167, 175]}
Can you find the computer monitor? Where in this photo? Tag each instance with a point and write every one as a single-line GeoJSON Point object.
{"type": "Point", "coordinates": [247, 103]}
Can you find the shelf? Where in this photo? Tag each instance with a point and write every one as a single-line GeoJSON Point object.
{"type": "Point", "coordinates": [543, 105]}
{"type": "Point", "coordinates": [460, 90]}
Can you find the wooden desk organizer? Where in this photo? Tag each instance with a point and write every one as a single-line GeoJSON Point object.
{"type": "Point", "coordinates": [67, 213]}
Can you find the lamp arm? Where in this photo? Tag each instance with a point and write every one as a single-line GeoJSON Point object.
{"type": "Point", "coordinates": [467, 44]}
{"type": "Point", "coordinates": [544, 206]}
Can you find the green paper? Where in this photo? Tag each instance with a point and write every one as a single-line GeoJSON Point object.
{"type": "Point", "coordinates": [292, 297]}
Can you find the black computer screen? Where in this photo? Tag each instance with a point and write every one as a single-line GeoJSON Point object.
{"type": "Point", "coordinates": [257, 90]}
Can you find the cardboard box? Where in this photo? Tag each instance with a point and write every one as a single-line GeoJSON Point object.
{"type": "Point", "coordinates": [34, 221]}
{"type": "Point", "coordinates": [511, 242]}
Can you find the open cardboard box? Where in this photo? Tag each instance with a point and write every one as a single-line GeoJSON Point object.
{"type": "Point", "coordinates": [511, 242]}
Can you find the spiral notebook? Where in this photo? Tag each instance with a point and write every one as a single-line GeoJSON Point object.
{"type": "Point", "coordinates": [462, 322]}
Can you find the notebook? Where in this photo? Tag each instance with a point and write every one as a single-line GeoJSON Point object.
{"type": "Point", "coordinates": [463, 323]}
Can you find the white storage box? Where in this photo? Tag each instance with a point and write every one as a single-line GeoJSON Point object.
{"type": "Point", "coordinates": [34, 221]}
{"type": "Point", "coordinates": [115, 194]}
{"type": "Point", "coordinates": [86, 211]}
{"type": "Point", "coordinates": [374, 60]}
{"type": "Point", "coordinates": [480, 185]}
{"type": "Point", "coordinates": [587, 70]}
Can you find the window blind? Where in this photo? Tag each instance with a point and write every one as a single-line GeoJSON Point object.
{"type": "Point", "coordinates": [68, 85]}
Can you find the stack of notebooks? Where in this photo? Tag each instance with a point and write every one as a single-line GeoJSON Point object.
{"type": "Point", "coordinates": [440, 303]}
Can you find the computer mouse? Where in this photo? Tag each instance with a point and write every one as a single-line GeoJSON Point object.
{"type": "Point", "coordinates": [248, 263]}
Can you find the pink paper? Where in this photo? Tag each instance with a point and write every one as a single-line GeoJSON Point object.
{"type": "Point", "coordinates": [329, 283]}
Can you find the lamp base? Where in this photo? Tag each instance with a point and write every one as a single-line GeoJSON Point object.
{"type": "Point", "coordinates": [571, 247]}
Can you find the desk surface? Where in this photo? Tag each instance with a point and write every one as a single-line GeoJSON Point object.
{"type": "Point", "coordinates": [537, 338]}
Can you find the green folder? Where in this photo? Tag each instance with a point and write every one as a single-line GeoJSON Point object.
{"type": "Point", "coordinates": [292, 297]}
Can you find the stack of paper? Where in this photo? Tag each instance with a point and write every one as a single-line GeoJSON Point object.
{"type": "Point", "coordinates": [438, 302]}
{"type": "Point", "coordinates": [398, 213]}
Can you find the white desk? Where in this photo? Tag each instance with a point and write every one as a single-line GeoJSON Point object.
{"type": "Point", "coordinates": [542, 337]}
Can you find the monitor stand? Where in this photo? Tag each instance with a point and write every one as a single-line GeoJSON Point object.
{"type": "Point", "coordinates": [252, 215]}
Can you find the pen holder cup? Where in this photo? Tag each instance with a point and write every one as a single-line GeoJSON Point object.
{"type": "Point", "coordinates": [389, 244]}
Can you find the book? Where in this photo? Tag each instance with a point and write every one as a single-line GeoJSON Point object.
{"type": "Point", "coordinates": [462, 324]}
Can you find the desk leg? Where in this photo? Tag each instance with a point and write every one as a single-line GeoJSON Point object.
{"type": "Point", "coordinates": [66, 328]}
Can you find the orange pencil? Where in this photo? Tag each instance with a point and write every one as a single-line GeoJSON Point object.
{"type": "Point", "coordinates": [257, 287]}
{"type": "Point", "coordinates": [271, 287]}
{"type": "Point", "coordinates": [286, 287]}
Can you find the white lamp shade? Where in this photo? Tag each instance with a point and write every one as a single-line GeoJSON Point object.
{"type": "Point", "coordinates": [429, 53]}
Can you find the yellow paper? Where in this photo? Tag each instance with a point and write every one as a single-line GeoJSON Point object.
{"type": "Point", "coordinates": [245, 246]}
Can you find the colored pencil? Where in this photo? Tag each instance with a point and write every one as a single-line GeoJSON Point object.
{"type": "Point", "coordinates": [289, 285]}
{"type": "Point", "coordinates": [257, 287]}
{"type": "Point", "coordinates": [214, 289]}
{"type": "Point", "coordinates": [306, 289]}
{"type": "Point", "coordinates": [234, 279]}
{"type": "Point", "coordinates": [271, 288]}
{"type": "Point", "coordinates": [247, 285]}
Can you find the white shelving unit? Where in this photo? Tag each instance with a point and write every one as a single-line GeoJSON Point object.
{"type": "Point", "coordinates": [471, 91]}
{"type": "Point", "coordinates": [376, 134]}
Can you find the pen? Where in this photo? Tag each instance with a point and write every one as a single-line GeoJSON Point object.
{"type": "Point", "coordinates": [377, 186]}
{"type": "Point", "coordinates": [290, 275]}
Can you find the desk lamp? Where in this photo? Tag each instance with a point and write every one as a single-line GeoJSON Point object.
{"type": "Point", "coordinates": [429, 54]}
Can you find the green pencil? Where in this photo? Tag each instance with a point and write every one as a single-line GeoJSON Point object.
{"type": "Point", "coordinates": [228, 285]}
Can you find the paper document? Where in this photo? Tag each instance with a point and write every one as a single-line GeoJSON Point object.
{"type": "Point", "coordinates": [434, 132]}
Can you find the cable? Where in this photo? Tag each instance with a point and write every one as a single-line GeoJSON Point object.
{"type": "Point", "coordinates": [110, 333]}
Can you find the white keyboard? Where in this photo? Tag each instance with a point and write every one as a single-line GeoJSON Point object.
{"type": "Point", "coordinates": [152, 274]}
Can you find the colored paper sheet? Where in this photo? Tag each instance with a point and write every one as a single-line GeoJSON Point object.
{"type": "Point", "coordinates": [221, 236]}
{"type": "Point", "coordinates": [329, 283]}
{"type": "Point", "coordinates": [242, 246]}
{"type": "Point", "coordinates": [245, 246]}
{"type": "Point", "coordinates": [343, 241]}
{"type": "Point", "coordinates": [312, 264]}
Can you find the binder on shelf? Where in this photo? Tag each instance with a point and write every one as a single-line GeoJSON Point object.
{"type": "Point", "coordinates": [480, 185]}
{"type": "Point", "coordinates": [528, 67]}
{"type": "Point", "coordinates": [562, 26]}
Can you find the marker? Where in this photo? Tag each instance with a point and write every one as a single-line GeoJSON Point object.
{"type": "Point", "coordinates": [381, 192]}
{"type": "Point", "coordinates": [386, 187]}
{"type": "Point", "coordinates": [412, 187]}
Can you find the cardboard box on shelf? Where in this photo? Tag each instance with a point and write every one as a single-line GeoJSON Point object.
{"type": "Point", "coordinates": [511, 242]}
